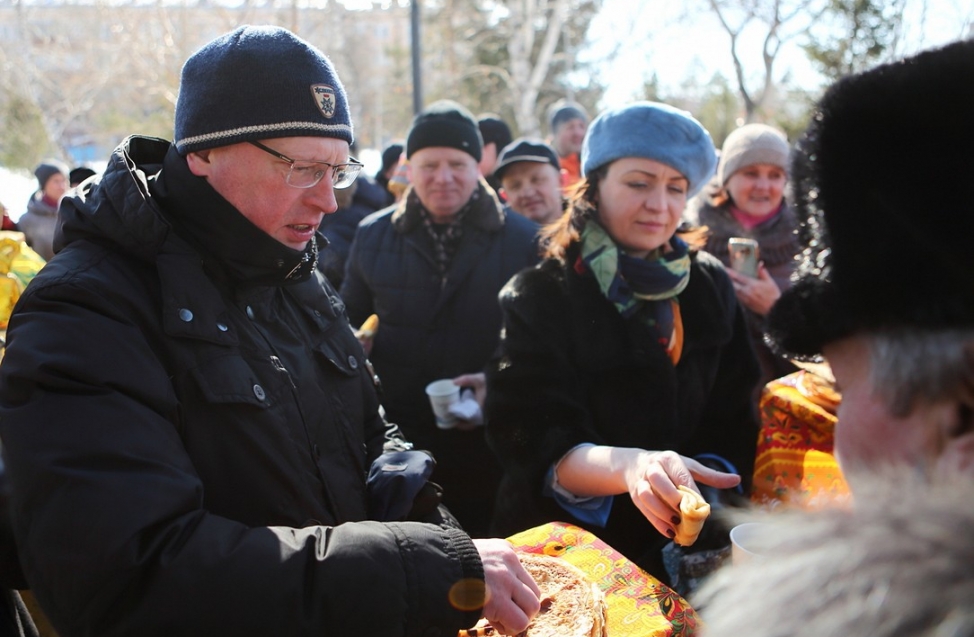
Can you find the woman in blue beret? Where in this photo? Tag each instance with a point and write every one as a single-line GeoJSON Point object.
{"type": "Point", "coordinates": [624, 367]}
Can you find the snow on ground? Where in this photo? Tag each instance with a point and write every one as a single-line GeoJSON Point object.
{"type": "Point", "coordinates": [16, 187]}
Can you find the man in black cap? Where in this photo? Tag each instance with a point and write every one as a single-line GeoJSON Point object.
{"type": "Point", "coordinates": [189, 421]}
{"type": "Point", "coordinates": [496, 135]}
{"type": "Point", "coordinates": [528, 172]}
{"type": "Point", "coordinates": [390, 159]}
{"type": "Point", "coordinates": [430, 268]}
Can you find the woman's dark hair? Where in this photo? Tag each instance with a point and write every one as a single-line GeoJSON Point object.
{"type": "Point", "coordinates": [582, 207]}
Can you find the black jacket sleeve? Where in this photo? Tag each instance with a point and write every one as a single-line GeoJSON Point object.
{"type": "Point", "coordinates": [111, 518]}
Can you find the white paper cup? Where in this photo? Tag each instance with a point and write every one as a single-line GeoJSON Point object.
{"type": "Point", "coordinates": [745, 542]}
{"type": "Point", "coordinates": [443, 393]}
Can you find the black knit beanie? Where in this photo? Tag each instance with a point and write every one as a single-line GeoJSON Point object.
{"type": "Point", "coordinates": [446, 124]}
{"type": "Point", "coordinates": [258, 83]}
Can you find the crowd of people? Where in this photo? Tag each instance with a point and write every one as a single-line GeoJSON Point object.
{"type": "Point", "coordinates": [198, 439]}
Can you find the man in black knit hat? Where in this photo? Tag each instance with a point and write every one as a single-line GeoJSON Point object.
{"type": "Point", "coordinates": [189, 421]}
{"type": "Point", "coordinates": [431, 268]}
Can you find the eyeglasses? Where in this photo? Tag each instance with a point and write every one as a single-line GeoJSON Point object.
{"type": "Point", "coordinates": [306, 174]}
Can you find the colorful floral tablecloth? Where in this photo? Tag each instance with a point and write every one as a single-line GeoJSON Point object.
{"type": "Point", "coordinates": [794, 463]}
{"type": "Point", "coordinates": [638, 605]}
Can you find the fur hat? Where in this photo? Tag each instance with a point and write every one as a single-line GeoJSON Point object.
{"type": "Point", "coordinates": [654, 131]}
{"type": "Point", "coordinates": [564, 111]}
{"type": "Point", "coordinates": [445, 124]}
{"type": "Point", "coordinates": [258, 83]}
{"type": "Point", "coordinates": [525, 149]}
{"type": "Point", "coordinates": [886, 217]}
{"type": "Point", "coordinates": [47, 169]}
{"type": "Point", "coordinates": [752, 144]}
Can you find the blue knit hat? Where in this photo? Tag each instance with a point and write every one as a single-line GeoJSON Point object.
{"type": "Point", "coordinates": [653, 131]}
{"type": "Point", "coordinates": [258, 83]}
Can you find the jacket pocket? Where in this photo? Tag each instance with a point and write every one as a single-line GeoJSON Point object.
{"type": "Point", "coordinates": [230, 380]}
{"type": "Point", "coordinates": [340, 359]}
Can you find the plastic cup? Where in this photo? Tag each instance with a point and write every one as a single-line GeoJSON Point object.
{"type": "Point", "coordinates": [442, 394]}
{"type": "Point", "coordinates": [746, 542]}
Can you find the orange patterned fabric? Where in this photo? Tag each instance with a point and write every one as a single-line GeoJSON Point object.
{"type": "Point", "coordinates": [794, 462]}
{"type": "Point", "coordinates": [638, 604]}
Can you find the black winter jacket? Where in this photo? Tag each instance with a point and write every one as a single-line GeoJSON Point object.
{"type": "Point", "coordinates": [339, 227]}
{"type": "Point", "coordinates": [570, 369]}
{"type": "Point", "coordinates": [188, 432]}
{"type": "Point", "coordinates": [432, 327]}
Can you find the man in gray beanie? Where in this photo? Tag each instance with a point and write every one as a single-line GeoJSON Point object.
{"type": "Point", "coordinates": [567, 124]}
{"type": "Point", "coordinates": [189, 421]}
{"type": "Point", "coordinates": [430, 267]}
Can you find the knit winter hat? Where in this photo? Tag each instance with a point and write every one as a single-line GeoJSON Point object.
{"type": "Point", "coordinates": [390, 156]}
{"type": "Point", "coordinates": [47, 169]}
{"type": "Point", "coordinates": [752, 144]}
{"type": "Point", "coordinates": [258, 83]}
{"type": "Point", "coordinates": [494, 130]}
{"type": "Point", "coordinates": [564, 111]}
{"type": "Point", "coordinates": [445, 124]}
{"type": "Point", "coordinates": [654, 131]}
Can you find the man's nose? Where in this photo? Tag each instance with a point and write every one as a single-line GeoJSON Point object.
{"type": "Point", "coordinates": [322, 196]}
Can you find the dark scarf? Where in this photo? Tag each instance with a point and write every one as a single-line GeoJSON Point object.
{"type": "Point", "coordinates": [221, 234]}
{"type": "Point", "coordinates": [631, 283]}
{"type": "Point", "coordinates": [446, 236]}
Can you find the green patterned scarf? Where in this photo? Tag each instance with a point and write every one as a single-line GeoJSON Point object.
{"type": "Point", "coordinates": [629, 283]}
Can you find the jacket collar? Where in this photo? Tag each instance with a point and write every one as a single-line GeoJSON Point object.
{"type": "Point", "coordinates": [486, 212]}
{"type": "Point", "coordinates": [223, 236]}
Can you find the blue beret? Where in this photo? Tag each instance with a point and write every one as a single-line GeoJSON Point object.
{"type": "Point", "coordinates": [258, 83]}
{"type": "Point", "coordinates": [653, 131]}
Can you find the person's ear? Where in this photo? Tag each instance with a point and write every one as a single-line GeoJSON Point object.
{"type": "Point", "coordinates": [502, 193]}
{"type": "Point", "coordinates": [957, 430]}
{"type": "Point", "coordinates": [199, 162]}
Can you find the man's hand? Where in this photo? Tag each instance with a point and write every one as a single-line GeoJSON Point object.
{"type": "Point", "coordinates": [478, 383]}
{"type": "Point", "coordinates": [512, 595]}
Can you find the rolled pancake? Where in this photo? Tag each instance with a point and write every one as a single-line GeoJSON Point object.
{"type": "Point", "coordinates": [694, 511]}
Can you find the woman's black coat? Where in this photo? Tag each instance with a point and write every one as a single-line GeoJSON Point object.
{"type": "Point", "coordinates": [570, 370]}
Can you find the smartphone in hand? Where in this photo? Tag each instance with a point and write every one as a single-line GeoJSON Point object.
{"type": "Point", "coordinates": [744, 255]}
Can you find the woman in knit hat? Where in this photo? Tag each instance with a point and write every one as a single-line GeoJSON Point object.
{"type": "Point", "coordinates": [624, 367]}
{"type": "Point", "coordinates": [747, 200]}
{"type": "Point", "coordinates": [39, 221]}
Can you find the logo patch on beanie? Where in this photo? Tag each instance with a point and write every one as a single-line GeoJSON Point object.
{"type": "Point", "coordinates": [324, 97]}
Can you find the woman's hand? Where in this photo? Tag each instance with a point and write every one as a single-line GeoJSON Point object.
{"type": "Point", "coordinates": [513, 598]}
{"type": "Point", "coordinates": [652, 479]}
{"type": "Point", "coordinates": [649, 477]}
{"type": "Point", "coordinates": [757, 295]}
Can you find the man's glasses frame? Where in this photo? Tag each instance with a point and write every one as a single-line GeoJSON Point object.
{"type": "Point", "coordinates": [305, 173]}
